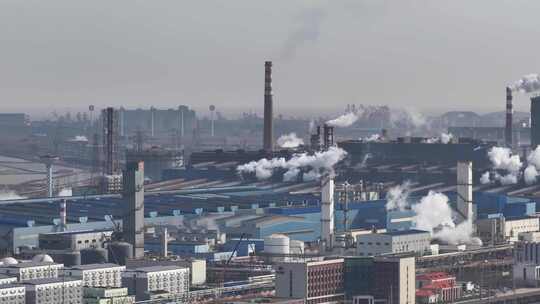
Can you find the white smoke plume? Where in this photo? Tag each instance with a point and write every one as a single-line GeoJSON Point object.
{"type": "Point", "coordinates": [289, 141]}
{"type": "Point", "coordinates": [434, 214]}
{"type": "Point", "coordinates": [502, 159]}
{"type": "Point", "coordinates": [372, 138]}
{"type": "Point", "coordinates": [307, 30]}
{"type": "Point", "coordinates": [446, 138]}
{"type": "Point", "coordinates": [80, 138]}
{"type": "Point", "coordinates": [9, 195]}
{"type": "Point", "coordinates": [531, 172]}
{"type": "Point", "coordinates": [527, 84]}
{"type": "Point", "coordinates": [484, 179]}
{"type": "Point", "coordinates": [396, 197]}
{"type": "Point", "coordinates": [343, 121]}
{"type": "Point", "coordinates": [316, 164]}
{"type": "Point", "coordinates": [66, 192]}
{"type": "Point", "coordinates": [407, 118]}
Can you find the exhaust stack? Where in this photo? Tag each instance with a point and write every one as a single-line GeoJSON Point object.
{"type": "Point", "coordinates": [509, 113]}
{"type": "Point", "coordinates": [327, 213]}
{"type": "Point", "coordinates": [268, 136]}
{"type": "Point", "coordinates": [464, 190]}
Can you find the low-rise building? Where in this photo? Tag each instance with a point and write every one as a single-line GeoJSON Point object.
{"type": "Point", "coordinates": [395, 279]}
{"type": "Point", "coordinates": [74, 240]}
{"type": "Point", "coordinates": [98, 275]}
{"type": "Point", "coordinates": [53, 291]}
{"type": "Point", "coordinates": [95, 295]}
{"type": "Point", "coordinates": [5, 279]}
{"type": "Point", "coordinates": [32, 270]}
{"type": "Point", "coordinates": [439, 286]}
{"type": "Point", "coordinates": [12, 294]}
{"type": "Point", "coordinates": [514, 226]}
{"type": "Point", "coordinates": [146, 280]}
{"type": "Point", "coordinates": [372, 244]}
{"type": "Point", "coordinates": [313, 281]}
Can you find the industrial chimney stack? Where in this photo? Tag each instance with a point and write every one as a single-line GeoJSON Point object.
{"type": "Point", "coordinates": [133, 195]}
{"type": "Point", "coordinates": [327, 213]}
{"type": "Point", "coordinates": [509, 113]}
{"type": "Point", "coordinates": [268, 136]}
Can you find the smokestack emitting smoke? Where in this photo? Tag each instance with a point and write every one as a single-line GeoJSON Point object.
{"type": "Point", "coordinates": [432, 213]}
{"type": "Point", "coordinates": [268, 136]}
{"type": "Point", "coordinates": [289, 141]}
{"type": "Point", "coordinates": [315, 165]}
{"type": "Point", "coordinates": [509, 119]}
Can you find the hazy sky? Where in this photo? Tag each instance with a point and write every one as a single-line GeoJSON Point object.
{"type": "Point", "coordinates": [430, 55]}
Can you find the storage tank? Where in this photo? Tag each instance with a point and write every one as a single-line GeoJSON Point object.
{"type": "Point", "coordinates": [296, 247]}
{"type": "Point", "coordinates": [42, 258]}
{"type": "Point", "coordinates": [94, 256]}
{"type": "Point", "coordinates": [9, 261]}
{"type": "Point", "coordinates": [120, 252]}
{"type": "Point", "coordinates": [277, 244]}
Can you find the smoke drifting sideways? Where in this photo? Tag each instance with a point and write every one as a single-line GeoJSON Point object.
{"type": "Point", "coordinates": [445, 138]}
{"type": "Point", "coordinates": [314, 165]}
{"type": "Point", "coordinates": [502, 159]}
{"type": "Point", "coordinates": [343, 121]}
{"type": "Point", "coordinates": [432, 213]}
{"type": "Point", "coordinates": [527, 84]}
{"type": "Point", "coordinates": [9, 195]}
{"type": "Point", "coordinates": [306, 30]}
{"type": "Point", "coordinates": [289, 141]}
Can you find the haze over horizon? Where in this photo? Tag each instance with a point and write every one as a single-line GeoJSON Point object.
{"type": "Point", "coordinates": [427, 55]}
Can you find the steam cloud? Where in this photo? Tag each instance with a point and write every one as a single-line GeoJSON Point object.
{"type": "Point", "coordinates": [502, 159]}
{"type": "Point", "coordinates": [289, 141]}
{"type": "Point", "coordinates": [9, 195]}
{"type": "Point", "coordinates": [316, 165]}
{"type": "Point", "coordinates": [527, 84]}
{"type": "Point", "coordinates": [307, 30]}
{"type": "Point", "coordinates": [531, 172]}
{"type": "Point", "coordinates": [434, 214]}
{"type": "Point", "coordinates": [372, 138]}
{"type": "Point", "coordinates": [343, 121]}
{"type": "Point", "coordinates": [397, 197]}
{"type": "Point", "coordinates": [445, 138]}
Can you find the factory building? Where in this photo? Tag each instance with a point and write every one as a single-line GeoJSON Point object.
{"type": "Point", "coordinates": [107, 295]}
{"type": "Point", "coordinates": [12, 294]}
{"type": "Point", "coordinates": [6, 279]}
{"type": "Point", "coordinates": [144, 281]}
{"type": "Point", "coordinates": [373, 244]}
{"type": "Point", "coordinates": [74, 240]}
{"type": "Point", "coordinates": [437, 287]}
{"type": "Point", "coordinates": [54, 290]}
{"type": "Point", "coordinates": [97, 275]}
{"type": "Point", "coordinates": [25, 271]}
{"type": "Point", "coordinates": [313, 281]}
{"type": "Point", "coordinates": [197, 267]}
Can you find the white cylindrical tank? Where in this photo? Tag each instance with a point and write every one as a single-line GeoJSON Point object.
{"type": "Point", "coordinates": [277, 244]}
{"type": "Point", "coordinates": [296, 247]}
{"type": "Point", "coordinates": [9, 261]}
{"type": "Point", "coordinates": [42, 258]}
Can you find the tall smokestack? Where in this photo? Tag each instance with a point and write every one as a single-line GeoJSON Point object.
{"type": "Point", "coordinates": [464, 190]}
{"type": "Point", "coordinates": [63, 215]}
{"type": "Point", "coordinates": [509, 113]}
{"type": "Point", "coordinates": [535, 122]}
{"type": "Point", "coordinates": [268, 136]}
{"type": "Point", "coordinates": [133, 221]}
{"type": "Point", "coordinates": [327, 212]}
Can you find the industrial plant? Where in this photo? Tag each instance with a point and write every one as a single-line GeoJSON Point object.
{"type": "Point", "coordinates": [178, 197]}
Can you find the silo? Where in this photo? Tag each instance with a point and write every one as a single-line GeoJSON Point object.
{"type": "Point", "coordinates": [296, 247]}
{"type": "Point", "coordinates": [94, 256]}
{"type": "Point", "coordinates": [278, 244]}
{"type": "Point", "coordinates": [120, 252]}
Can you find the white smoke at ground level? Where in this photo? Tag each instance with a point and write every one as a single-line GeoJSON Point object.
{"type": "Point", "coordinates": [289, 141]}
{"type": "Point", "coordinates": [434, 214]}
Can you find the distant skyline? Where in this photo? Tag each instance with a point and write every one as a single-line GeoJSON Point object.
{"type": "Point", "coordinates": [432, 56]}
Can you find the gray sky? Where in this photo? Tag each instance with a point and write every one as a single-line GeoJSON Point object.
{"type": "Point", "coordinates": [430, 55]}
